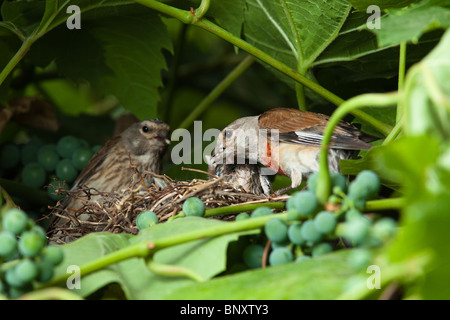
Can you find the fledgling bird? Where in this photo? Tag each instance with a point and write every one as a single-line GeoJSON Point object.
{"type": "Point", "coordinates": [142, 145]}
{"type": "Point", "coordinates": [244, 177]}
{"type": "Point", "coordinates": [288, 142]}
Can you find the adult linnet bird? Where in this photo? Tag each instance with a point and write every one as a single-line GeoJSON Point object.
{"type": "Point", "coordinates": [120, 163]}
{"type": "Point", "coordinates": [288, 142]}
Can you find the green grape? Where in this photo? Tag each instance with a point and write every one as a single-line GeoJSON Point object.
{"type": "Point", "coordinates": [33, 175]}
{"type": "Point", "coordinates": [16, 292]}
{"type": "Point", "coordinates": [358, 191]}
{"type": "Point", "coordinates": [66, 171]}
{"type": "Point", "coordinates": [283, 244]}
{"type": "Point", "coordinates": [338, 180]}
{"type": "Point", "coordinates": [146, 219]}
{"type": "Point", "coordinates": [29, 153]}
{"type": "Point", "coordinates": [371, 180]}
{"type": "Point", "coordinates": [356, 230]}
{"type": "Point", "coordinates": [321, 249]}
{"type": "Point", "coordinates": [302, 258]}
{"type": "Point", "coordinates": [252, 256]}
{"type": "Point", "coordinates": [53, 187]}
{"type": "Point", "coordinates": [194, 207]}
{"type": "Point", "coordinates": [67, 145]}
{"type": "Point", "coordinates": [353, 213]}
{"type": "Point", "coordinates": [81, 157]}
{"type": "Point", "coordinates": [39, 230]}
{"type": "Point", "coordinates": [276, 230]}
{"type": "Point", "coordinates": [12, 279]}
{"type": "Point", "coordinates": [384, 228]}
{"type": "Point", "coordinates": [9, 156]}
{"type": "Point", "coordinates": [309, 232]}
{"type": "Point", "coordinates": [304, 202]}
{"type": "Point", "coordinates": [53, 255]}
{"type": "Point", "coordinates": [261, 211]}
{"type": "Point", "coordinates": [242, 216]}
{"type": "Point", "coordinates": [8, 244]}
{"type": "Point", "coordinates": [96, 148]}
{"type": "Point", "coordinates": [48, 157]}
{"type": "Point", "coordinates": [293, 215]}
{"type": "Point", "coordinates": [15, 221]}
{"type": "Point", "coordinates": [295, 234]}
{"type": "Point", "coordinates": [31, 244]}
{"type": "Point", "coordinates": [45, 270]}
{"type": "Point", "coordinates": [312, 181]}
{"type": "Point", "coordinates": [26, 270]}
{"type": "Point", "coordinates": [359, 258]}
{"type": "Point", "coordinates": [325, 222]}
{"type": "Point", "coordinates": [83, 143]}
{"type": "Point", "coordinates": [280, 256]}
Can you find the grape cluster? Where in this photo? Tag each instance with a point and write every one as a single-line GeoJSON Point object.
{"type": "Point", "coordinates": [24, 255]}
{"type": "Point", "coordinates": [311, 231]}
{"type": "Point", "coordinates": [39, 164]}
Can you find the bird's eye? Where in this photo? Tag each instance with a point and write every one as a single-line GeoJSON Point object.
{"type": "Point", "coordinates": [144, 129]}
{"type": "Point", "coordinates": [228, 134]}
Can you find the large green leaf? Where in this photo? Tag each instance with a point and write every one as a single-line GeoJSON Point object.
{"type": "Point", "coordinates": [405, 25]}
{"type": "Point", "coordinates": [324, 277]}
{"type": "Point", "coordinates": [294, 32]}
{"type": "Point", "coordinates": [383, 4]}
{"type": "Point", "coordinates": [206, 257]}
{"type": "Point", "coordinates": [124, 58]}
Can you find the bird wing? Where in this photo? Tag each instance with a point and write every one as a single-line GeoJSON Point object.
{"type": "Point", "coordinates": [304, 127]}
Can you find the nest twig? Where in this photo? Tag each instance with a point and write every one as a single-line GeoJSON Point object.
{"type": "Point", "coordinates": [116, 212]}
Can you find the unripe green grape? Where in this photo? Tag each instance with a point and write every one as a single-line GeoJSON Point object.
{"type": "Point", "coordinates": [295, 234]}
{"type": "Point", "coordinates": [9, 156]}
{"type": "Point", "coordinates": [30, 244]}
{"type": "Point", "coordinates": [81, 157]}
{"type": "Point", "coordinates": [67, 145]}
{"type": "Point", "coordinates": [261, 211]}
{"type": "Point", "coordinates": [321, 249]}
{"type": "Point", "coordinates": [293, 215]}
{"type": "Point", "coordinates": [53, 187]}
{"type": "Point", "coordinates": [15, 221]}
{"type": "Point", "coordinates": [353, 213]}
{"type": "Point", "coordinates": [26, 270]}
{"type": "Point", "coordinates": [242, 216]}
{"type": "Point", "coordinates": [33, 175]}
{"type": "Point", "coordinates": [356, 230]}
{"type": "Point", "coordinates": [83, 143]}
{"type": "Point", "coordinates": [312, 181]}
{"type": "Point", "coordinates": [358, 191]}
{"type": "Point", "coordinates": [384, 228]}
{"type": "Point", "coordinates": [338, 180]}
{"type": "Point", "coordinates": [325, 222]}
{"type": "Point", "coordinates": [96, 148]}
{"type": "Point", "coordinates": [29, 153]}
{"type": "Point", "coordinates": [276, 230]}
{"type": "Point", "coordinates": [146, 219]}
{"type": "Point", "coordinates": [48, 157]}
{"type": "Point", "coordinates": [46, 271]}
{"type": "Point", "coordinates": [12, 279]}
{"type": "Point", "coordinates": [8, 243]}
{"type": "Point", "coordinates": [53, 255]}
{"type": "Point", "coordinates": [302, 258]}
{"type": "Point", "coordinates": [194, 207]}
{"type": "Point", "coordinates": [280, 256]}
{"type": "Point", "coordinates": [66, 171]}
{"type": "Point", "coordinates": [304, 202]}
{"type": "Point", "coordinates": [309, 232]}
{"type": "Point", "coordinates": [252, 256]}
{"type": "Point", "coordinates": [283, 244]}
{"type": "Point", "coordinates": [371, 180]}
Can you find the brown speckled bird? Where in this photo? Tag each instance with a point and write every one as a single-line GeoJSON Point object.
{"type": "Point", "coordinates": [288, 142]}
{"type": "Point", "coordinates": [142, 145]}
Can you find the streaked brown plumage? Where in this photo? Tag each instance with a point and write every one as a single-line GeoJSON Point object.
{"type": "Point", "coordinates": [141, 146]}
{"type": "Point", "coordinates": [288, 141]}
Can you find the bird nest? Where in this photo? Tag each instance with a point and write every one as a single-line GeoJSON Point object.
{"type": "Point", "coordinates": [117, 212]}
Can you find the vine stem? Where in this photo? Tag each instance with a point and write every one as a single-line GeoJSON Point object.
{"type": "Point", "coordinates": [190, 18]}
{"type": "Point", "coordinates": [401, 77]}
{"type": "Point", "coordinates": [373, 100]}
{"type": "Point", "coordinates": [146, 248]}
{"type": "Point", "coordinates": [217, 91]}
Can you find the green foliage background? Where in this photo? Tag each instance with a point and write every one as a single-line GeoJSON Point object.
{"type": "Point", "coordinates": [163, 59]}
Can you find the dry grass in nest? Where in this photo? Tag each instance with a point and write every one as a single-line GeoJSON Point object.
{"type": "Point", "coordinates": [116, 212]}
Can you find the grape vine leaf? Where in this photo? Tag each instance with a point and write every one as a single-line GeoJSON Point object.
{"type": "Point", "coordinates": [204, 256]}
{"type": "Point", "coordinates": [383, 4]}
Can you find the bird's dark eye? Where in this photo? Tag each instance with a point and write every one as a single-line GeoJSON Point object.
{"type": "Point", "coordinates": [228, 134]}
{"type": "Point", "coordinates": [144, 129]}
